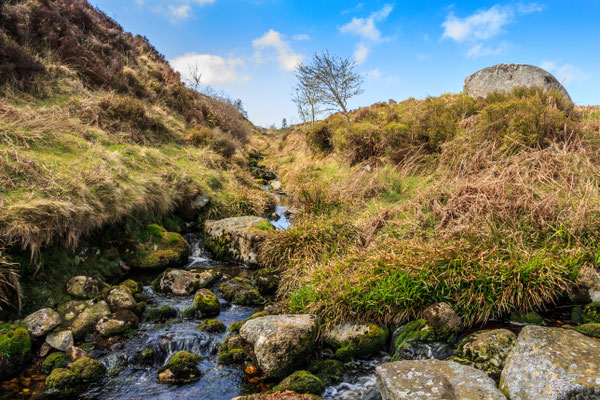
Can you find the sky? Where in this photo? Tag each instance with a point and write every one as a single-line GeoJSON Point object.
{"type": "Point", "coordinates": [250, 48]}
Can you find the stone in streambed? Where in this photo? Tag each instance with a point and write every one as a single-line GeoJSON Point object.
{"type": "Point", "coordinates": [81, 316]}
{"type": "Point", "coordinates": [55, 360]}
{"type": "Point", "coordinates": [212, 326]}
{"type": "Point", "coordinates": [60, 340]}
{"type": "Point", "coordinates": [180, 282]}
{"type": "Point", "coordinates": [85, 287]}
{"type": "Point", "coordinates": [120, 298]}
{"type": "Point", "coordinates": [233, 350]}
{"type": "Point", "coordinates": [240, 291]}
{"type": "Point", "coordinates": [117, 323]}
{"type": "Point", "coordinates": [206, 303]}
{"type": "Point", "coordinates": [444, 321]}
{"type": "Point", "coordinates": [301, 382]}
{"type": "Point", "coordinates": [356, 340]}
{"type": "Point", "coordinates": [42, 322]}
{"type": "Point", "coordinates": [486, 350]}
{"type": "Point", "coordinates": [181, 368]}
{"type": "Point", "coordinates": [158, 249]}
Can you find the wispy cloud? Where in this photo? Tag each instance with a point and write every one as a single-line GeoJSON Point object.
{"type": "Point", "coordinates": [177, 10]}
{"type": "Point", "coordinates": [213, 69]}
{"type": "Point", "coordinates": [377, 75]}
{"type": "Point", "coordinates": [565, 73]}
{"type": "Point", "coordinates": [366, 29]}
{"type": "Point", "coordinates": [302, 36]}
{"type": "Point", "coordinates": [287, 58]}
{"type": "Point", "coordinates": [481, 26]}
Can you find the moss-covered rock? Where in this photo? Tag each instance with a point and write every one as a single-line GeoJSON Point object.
{"type": "Point", "coordinates": [329, 371]}
{"type": "Point", "coordinates": [117, 323]}
{"type": "Point", "coordinates": [232, 350]}
{"type": "Point", "coordinates": [82, 316]}
{"type": "Point", "coordinates": [132, 285]}
{"type": "Point", "coordinates": [85, 287]}
{"type": "Point", "coordinates": [591, 313]}
{"type": "Point", "coordinates": [180, 282]}
{"type": "Point", "coordinates": [236, 326]}
{"type": "Point", "coordinates": [62, 378]}
{"type": "Point", "coordinates": [302, 382]}
{"type": "Point", "coordinates": [444, 321]}
{"type": "Point", "coordinates": [408, 335]}
{"type": "Point", "coordinates": [530, 318]}
{"type": "Point", "coordinates": [356, 340]}
{"type": "Point", "coordinates": [158, 248]}
{"type": "Point", "coordinates": [160, 314]}
{"type": "Point", "coordinates": [591, 329]}
{"type": "Point", "coordinates": [88, 370]}
{"type": "Point", "coordinates": [265, 281]}
{"type": "Point", "coordinates": [181, 368]}
{"type": "Point", "coordinates": [212, 326]}
{"type": "Point", "coordinates": [15, 349]}
{"type": "Point", "coordinates": [147, 355]}
{"type": "Point", "coordinates": [55, 360]}
{"type": "Point", "coordinates": [206, 303]}
{"type": "Point", "coordinates": [188, 313]}
{"type": "Point", "coordinates": [240, 291]}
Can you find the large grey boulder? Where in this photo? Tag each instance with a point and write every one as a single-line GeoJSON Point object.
{"type": "Point", "coordinates": [41, 322]}
{"type": "Point", "coordinates": [506, 77]}
{"type": "Point", "coordinates": [82, 316]}
{"type": "Point", "coordinates": [434, 380]}
{"type": "Point", "coordinates": [60, 340]}
{"type": "Point", "coordinates": [237, 238]}
{"type": "Point", "coordinates": [180, 282]}
{"type": "Point", "coordinates": [552, 364]}
{"type": "Point", "coordinates": [281, 343]}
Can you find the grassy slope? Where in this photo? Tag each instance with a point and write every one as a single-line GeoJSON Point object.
{"type": "Point", "coordinates": [492, 206]}
{"type": "Point", "coordinates": [95, 127]}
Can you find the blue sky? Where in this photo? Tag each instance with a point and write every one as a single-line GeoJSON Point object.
{"type": "Point", "coordinates": [248, 48]}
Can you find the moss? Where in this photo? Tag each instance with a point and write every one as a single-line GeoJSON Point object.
{"type": "Point", "coordinates": [132, 285]}
{"type": "Point", "coordinates": [88, 370]}
{"type": "Point", "coordinates": [264, 226]}
{"type": "Point", "coordinates": [530, 318]}
{"type": "Point", "coordinates": [590, 329]}
{"type": "Point", "coordinates": [302, 382]}
{"type": "Point", "coordinates": [329, 371]}
{"type": "Point", "coordinates": [265, 281]}
{"type": "Point", "coordinates": [363, 345]}
{"type": "Point", "coordinates": [591, 313]}
{"type": "Point", "coordinates": [231, 351]}
{"type": "Point", "coordinates": [14, 340]}
{"type": "Point", "coordinates": [577, 315]}
{"type": "Point", "coordinates": [170, 249]}
{"type": "Point", "coordinates": [412, 332]}
{"type": "Point", "coordinates": [486, 350]}
{"type": "Point", "coordinates": [212, 326]}
{"type": "Point", "coordinates": [184, 366]}
{"type": "Point", "coordinates": [240, 291]}
{"type": "Point", "coordinates": [151, 232]}
{"type": "Point", "coordinates": [219, 246]}
{"type": "Point", "coordinates": [236, 326]}
{"type": "Point", "coordinates": [160, 314]}
{"type": "Point", "coordinates": [206, 303]}
{"type": "Point", "coordinates": [55, 360]}
{"type": "Point", "coordinates": [188, 313]}
{"type": "Point", "coordinates": [62, 378]}
{"type": "Point", "coordinates": [140, 308]}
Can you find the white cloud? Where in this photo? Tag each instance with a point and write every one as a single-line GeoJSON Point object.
{"type": "Point", "coordinates": [301, 36]}
{"type": "Point", "coordinates": [565, 73]}
{"type": "Point", "coordinates": [177, 10]}
{"type": "Point", "coordinates": [366, 29]}
{"type": "Point", "coordinates": [180, 12]}
{"type": "Point", "coordinates": [288, 60]}
{"type": "Point", "coordinates": [480, 50]}
{"type": "Point", "coordinates": [377, 75]}
{"type": "Point", "coordinates": [214, 69]}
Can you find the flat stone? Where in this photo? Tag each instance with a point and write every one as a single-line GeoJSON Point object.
{"type": "Point", "coordinates": [60, 340]}
{"type": "Point", "coordinates": [42, 322]}
{"type": "Point", "coordinates": [180, 282]}
{"type": "Point", "coordinates": [552, 364]}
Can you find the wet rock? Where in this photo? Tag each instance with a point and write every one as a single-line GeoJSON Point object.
{"type": "Point", "coordinates": [134, 287]}
{"type": "Point", "coordinates": [281, 343]}
{"type": "Point", "coordinates": [587, 287]}
{"type": "Point", "coordinates": [76, 353]}
{"type": "Point", "coordinates": [444, 320]}
{"type": "Point", "coordinates": [88, 370]}
{"type": "Point", "coordinates": [188, 313]}
{"type": "Point", "coordinates": [529, 318]}
{"type": "Point", "coordinates": [212, 326]}
{"type": "Point", "coordinates": [181, 368]}
{"type": "Point", "coordinates": [240, 291]}
{"type": "Point", "coordinates": [85, 287]}
{"type": "Point", "coordinates": [82, 316]}
{"type": "Point", "coordinates": [506, 77]}
{"type": "Point", "coordinates": [180, 282]}
{"type": "Point", "coordinates": [418, 340]}
{"type": "Point", "coordinates": [486, 350]}
{"type": "Point", "coordinates": [120, 298]}
{"type": "Point", "coordinates": [62, 378]}
{"type": "Point", "coordinates": [233, 350]}
{"type": "Point", "coordinates": [117, 323]}
{"type": "Point", "coordinates": [265, 281]}
{"type": "Point", "coordinates": [301, 382]}
{"type": "Point", "coordinates": [44, 349]}
{"type": "Point", "coordinates": [160, 314]}
{"type": "Point", "coordinates": [356, 340]}
{"type": "Point", "coordinates": [15, 349]}
{"type": "Point", "coordinates": [41, 322]}
{"type": "Point", "coordinates": [287, 395]}
{"type": "Point", "coordinates": [591, 329]}
{"type": "Point", "coordinates": [55, 360]}
{"type": "Point", "coordinates": [60, 340]}
{"type": "Point", "coordinates": [330, 372]}
{"type": "Point", "coordinates": [591, 313]}
{"type": "Point", "coordinates": [434, 380]}
{"type": "Point", "coordinates": [206, 303]}
{"type": "Point", "coordinates": [161, 249]}
{"type": "Point", "coordinates": [237, 238]}
{"type": "Point", "coordinates": [552, 364]}
{"type": "Point", "coordinates": [191, 206]}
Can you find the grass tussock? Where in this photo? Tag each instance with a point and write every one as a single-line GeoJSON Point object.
{"type": "Point", "coordinates": [490, 205]}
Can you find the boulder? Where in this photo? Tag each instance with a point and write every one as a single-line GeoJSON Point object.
{"type": "Point", "coordinates": [444, 320]}
{"type": "Point", "coordinates": [236, 238]}
{"type": "Point", "coordinates": [180, 282]}
{"type": "Point", "coordinates": [486, 350]}
{"type": "Point", "coordinates": [158, 249]}
{"type": "Point", "coordinates": [212, 326]}
{"type": "Point", "coordinates": [506, 77]}
{"type": "Point", "coordinates": [134, 287]}
{"type": "Point", "coordinates": [88, 370]}
{"type": "Point", "coordinates": [160, 314]}
{"type": "Point", "coordinates": [117, 323]}
{"type": "Point", "coordinates": [418, 340]}
{"type": "Point", "coordinates": [552, 364]}
{"type": "Point", "coordinates": [62, 378]}
{"type": "Point", "coordinates": [60, 340]}
{"type": "Point", "coordinates": [240, 291]}
{"type": "Point", "coordinates": [120, 298]}
{"type": "Point", "coordinates": [265, 281]}
{"type": "Point", "coordinates": [301, 382]}
{"type": "Point", "coordinates": [588, 285]}
{"type": "Point", "coordinates": [356, 340]}
{"type": "Point", "coordinates": [434, 380]}
{"type": "Point", "coordinates": [206, 304]}
{"type": "Point", "coordinates": [233, 350]}
{"type": "Point", "coordinates": [181, 368]}
{"type": "Point", "coordinates": [41, 322]}
{"type": "Point", "coordinates": [15, 349]}
{"type": "Point", "coordinates": [81, 316]}
{"type": "Point", "coordinates": [55, 360]}
{"type": "Point", "coordinates": [85, 287]}
{"type": "Point", "coordinates": [281, 343]}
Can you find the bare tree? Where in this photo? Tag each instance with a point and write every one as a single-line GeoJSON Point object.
{"type": "Point", "coordinates": [333, 78]}
{"type": "Point", "coordinates": [307, 97]}
{"type": "Point", "coordinates": [195, 76]}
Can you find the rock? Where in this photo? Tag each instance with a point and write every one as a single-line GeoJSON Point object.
{"type": "Point", "coordinates": [236, 326]}
{"type": "Point", "coordinates": [134, 287]}
{"type": "Point", "coordinates": [85, 287]}
{"type": "Point", "coordinates": [158, 249]}
{"type": "Point", "coordinates": [15, 349]}
{"type": "Point", "coordinates": [160, 314]}
{"type": "Point", "coordinates": [62, 378]}
{"type": "Point", "coordinates": [233, 350]}
{"type": "Point", "coordinates": [587, 285]}
{"type": "Point", "coordinates": [591, 329]}
{"type": "Point", "coordinates": [265, 281]}
{"type": "Point", "coordinates": [189, 208]}
{"type": "Point", "coordinates": [301, 382]}
{"type": "Point", "coordinates": [281, 343]}
{"type": "Point", "coordinates": [183, 283]}
{"type": "Point", "coordinates": [433, 380]}
{"type": "Point", "coordinates": [236, 238]}
{"type": "Point", "coordinates": [506, 77]}
{"type": "Point", "coordinates": [418, 340]}
{"type": "Point", "coordinates": [76, 353]}
{"type": "Point", "coordinates": [117, 323]}
{"type": "Point", "coordinates": [291, 212]}
{"type": "Point", "coordinates": [188, 313]}
{"type": "Point", "coordinates": [55, 360]}
{"type": "Point", "coordinates": [530, 318]}
{"type": "Point", "coordinates": [120, 298]}
{"type": "Point", "coordinates": [212, 326]}
{"type": "Point", "coordinates": [206, 303]}
{"type": "Point", "coordinates": [182, 368]}
{"type": "Point", "coordinates": [240, 291]}
{"type": "Point", "coordinates": [552, 364]}
{"type": "Point", "coordinates": [88, 370]}
{"type": "Point", "coordinates": [82, 316]}
{"type": "Point", "coordinates": [591, 313]}
{"type": "Point", "coordinates": [287, 395]}
{"type": "Point", "coordinates": [444, 320]}
{"type": "Point", "coordinates": [60, 340]}
{"type": "Point", "coordinates": [356, 340]}
{"type": "Point", "coordinates": [276, 186]}
{"type": "Point", "coordinates": [486, 350]}
{"type": "Point", "coordinates": [41, 322]}
{"type": "Point", "coordinates": [330, 372]}
{"type": "Point", "coordinates": [44, 349]}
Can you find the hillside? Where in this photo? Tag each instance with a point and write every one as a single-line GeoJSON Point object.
{"type": "Point", "coordinates": [97, 131]}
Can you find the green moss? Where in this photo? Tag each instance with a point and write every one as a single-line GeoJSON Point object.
{"type": "Point", "coordinates": [188, 313]}
{"type": "Point", "coordinates": [132, 285]}
{"type": "Point", "coordinates": [577, 315]}
{"type": "Point", "coordinates": [151, 232]}
{"type": "Point", "coordinates": [363, 345]}
{"type": "Point", "coordinates": [184, 366]}
{"type": "Point", "coordinates": [55, 360]}
{"type": "Point", "coordinates": [14, 340]}
{"type": "Point", "coordinates": [219, 246]}
{"type": "Point", "coordinates": [147, 354]}
{"type": "Point", "coordinates": [236, 326]}
{"type": "Point", "coordinates": [170, 249]}
{"type": "Point", "coordinates": [530, 318]}
{"type": "Point", "coordinates": [264, 226]}
{"type": "Point", "coordinates": [140, 308]}
{"type": "Point", "coordinates": [265, 281]}
{"type": "Point", "coordinates": [206, 303]}
{"type": "Point", "coordinates": [590, 329]}
{"type": "Point", "coordinates": [240, 291]}
{"type": "Point", "coordinates": [62, 378]}
{"type": "Point", "coordinates": [160, 314]}
{"type": "Point", "coordinates": [412, 332]}
{"type": "Point", "coordinates": [302, 382]}
{"type": "Point", "coordinates": [212, 326]}
{"type": "Point", "coordinates": [88, 370]}
{"type": "Point", "coordinates": [486, 350]}
{"type": "Point", "coordinates": [591, 313]}
{"type": "Point", "coordinates": [231, 351]}
{"type": "Point", "coordinates": [329, 371]}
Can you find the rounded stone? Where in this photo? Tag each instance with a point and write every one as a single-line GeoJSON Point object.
{"type": "Point", "coordinates": [42, 322]}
